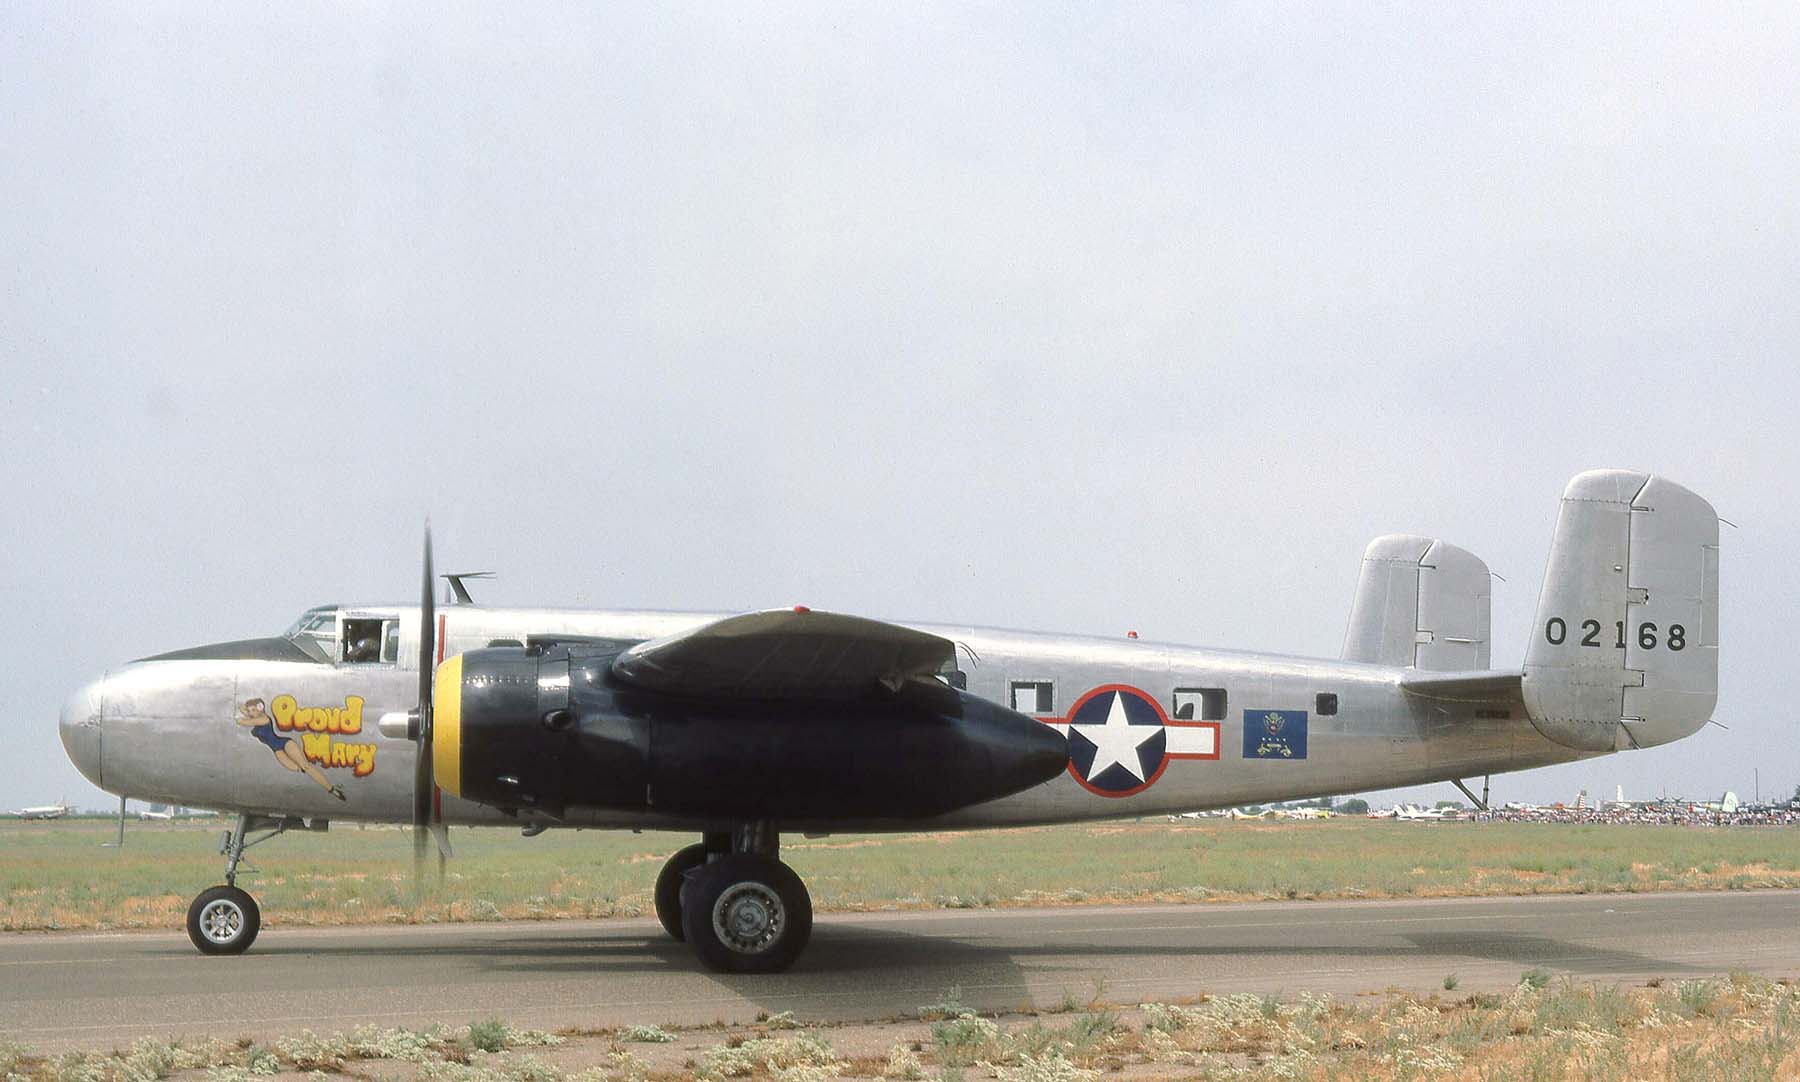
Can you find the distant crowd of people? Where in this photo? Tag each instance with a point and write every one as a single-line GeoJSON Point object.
{"type": "Point", "coordinates": [1665, 814]}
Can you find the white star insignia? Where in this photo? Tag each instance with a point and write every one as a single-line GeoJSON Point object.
{"type": "Point", "coordinates": [1117, 741]}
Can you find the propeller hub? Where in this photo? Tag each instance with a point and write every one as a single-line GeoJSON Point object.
{"type": "Point", "coordinates": [399, 725]}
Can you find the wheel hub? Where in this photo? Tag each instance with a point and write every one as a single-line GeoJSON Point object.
{"type": "Point", "coordinates": [749, 917]}
{"type": "Point", "coordinates": [221, 920]}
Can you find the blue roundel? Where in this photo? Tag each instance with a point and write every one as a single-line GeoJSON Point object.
{"type": "Point", "coordinates": [1111, 732]}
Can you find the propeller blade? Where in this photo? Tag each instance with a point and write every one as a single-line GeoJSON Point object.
{"type": "Point", "coordinates": [423, 780]}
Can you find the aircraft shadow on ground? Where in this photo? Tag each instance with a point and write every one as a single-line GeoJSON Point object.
{"type": "Point", "coordinates": [840, 953]}
{"type": "Point", "coordinates": [1524, 949]}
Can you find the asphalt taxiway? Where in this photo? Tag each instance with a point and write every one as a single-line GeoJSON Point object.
{"type": "Point", "coordinates": [62, 991]}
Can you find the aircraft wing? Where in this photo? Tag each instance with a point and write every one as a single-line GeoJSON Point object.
{"type": "Point", "coordinates": [784, 654]}
{"type": "Point", "coordinates": [1480, 686]}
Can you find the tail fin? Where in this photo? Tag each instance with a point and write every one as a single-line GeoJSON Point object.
{"type": "Point", "coordinates": [1625, 651]}
{"type": "Point", "coordinates": [1420, 603]}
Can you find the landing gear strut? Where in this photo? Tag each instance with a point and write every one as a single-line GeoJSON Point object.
{"type": "Point", "coordinates": [225, 919]}
{"type": "Point", "coordinates": [741, 908]}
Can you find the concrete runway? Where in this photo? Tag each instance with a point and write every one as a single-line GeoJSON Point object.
{"type": "Point", "coordinates": [98, 990]}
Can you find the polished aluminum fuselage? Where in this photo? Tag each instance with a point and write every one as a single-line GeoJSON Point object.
{"type": "Point", "coordinates": [169, 730]}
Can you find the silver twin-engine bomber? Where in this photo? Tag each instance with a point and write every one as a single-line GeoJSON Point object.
{"type": "Point", "coordinates": [737, 727]}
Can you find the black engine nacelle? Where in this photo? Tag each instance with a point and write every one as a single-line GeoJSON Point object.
{"type": "Point", "coordinates": [549, 730]}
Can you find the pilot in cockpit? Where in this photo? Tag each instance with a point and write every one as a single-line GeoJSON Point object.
{"type": "Point", "coordinates": [365, 648]}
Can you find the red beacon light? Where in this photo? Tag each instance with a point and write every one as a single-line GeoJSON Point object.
{"type": "Point", "coordinates": [801, 608]}
{"type": "Point", "coordinates": [1131, 634]}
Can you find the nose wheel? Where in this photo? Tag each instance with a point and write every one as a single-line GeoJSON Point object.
{"type": "Point", "coordinates": [223, 920]}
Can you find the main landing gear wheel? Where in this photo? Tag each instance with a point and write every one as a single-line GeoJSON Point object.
{"type": "Point", "coordinates": [223, 920]}
{"type": "Point", "coordinates": [668, 887]}
{"type": "Point", "coordinates": [747, 913]}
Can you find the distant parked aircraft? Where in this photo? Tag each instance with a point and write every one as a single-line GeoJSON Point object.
{"type": "Point", "coordinates": [45, 811]}
{"type": "Point", "coordinates": [1303, 813]}
{"type": "Point", "coordinates": [1240, 813]}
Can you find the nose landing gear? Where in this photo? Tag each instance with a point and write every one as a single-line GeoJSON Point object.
{"type": "Point", "coordinates": [741, 908]}
{"type": "Point", "coordinates": [225, 919]}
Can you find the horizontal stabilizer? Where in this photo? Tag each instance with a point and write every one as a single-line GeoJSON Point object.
{"type": "Point", "coordinates": [1466, 687]}
{"type": "Point", "coordinates": [784, 654]}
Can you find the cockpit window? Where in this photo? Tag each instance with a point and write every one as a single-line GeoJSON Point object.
{"type": "Point", "coordinates": [312, 621]}
{"type": "Point", "coordinates": [315, 632]}
{"type": "Point", "coordinates": [367, 638]}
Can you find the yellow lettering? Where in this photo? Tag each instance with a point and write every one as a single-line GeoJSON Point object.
{"type": "Point", "coordinates": [346, 719]}
{"type": "Point", "coordinates": [316, 725]}
{"type": "Point", "coordinates": [318, 747]}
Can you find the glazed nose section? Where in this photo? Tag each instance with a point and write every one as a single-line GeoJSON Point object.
{"type": "Point", "coordinates": [80, 726]}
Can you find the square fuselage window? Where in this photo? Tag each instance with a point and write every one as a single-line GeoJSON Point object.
{"type": "Point", "coordinates": [1326, 705]}
{"type": "Point", "coordinates": [1199, 704]}
{"type": "Point", "coordinates": [1033, 696]}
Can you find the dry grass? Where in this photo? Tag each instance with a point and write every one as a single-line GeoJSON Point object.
{"type": "Point", "coordinates": [1743, 1029]}
{"type": "Point", "coordinates": [56, 875]}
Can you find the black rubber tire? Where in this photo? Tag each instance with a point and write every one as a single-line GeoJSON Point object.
{"type": "Point", "coordinates": [668, 887]}
{"type": "Point", "coordinates": [231, 926]}
{"type": "Point", "coordinates": [734, 876]}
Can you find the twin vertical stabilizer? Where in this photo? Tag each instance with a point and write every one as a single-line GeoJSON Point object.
{"type": "Point", "coordinates": [1625, 648]}
{"type": "Point", "coordinates": [1420, 603]}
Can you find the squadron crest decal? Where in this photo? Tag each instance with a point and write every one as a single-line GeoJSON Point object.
{"type": "Point", "coordinates": [1121, 741]}
{"type": "Point", "coordinates": [1275, 734]}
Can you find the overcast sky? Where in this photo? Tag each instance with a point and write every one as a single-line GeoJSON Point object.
{"type": "Point", "coordinates": [1085, 319]}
